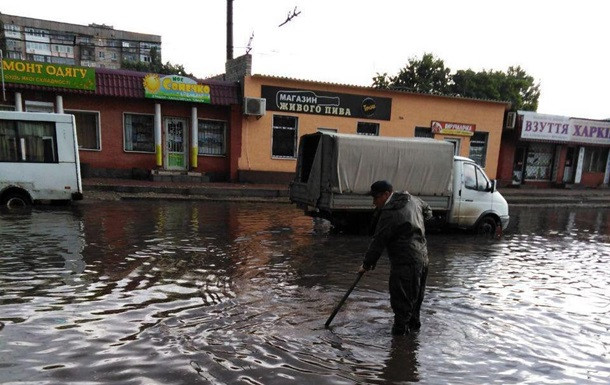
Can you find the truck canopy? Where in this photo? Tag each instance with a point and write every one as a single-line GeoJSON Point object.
{"type": "Point", "coordinates": [348, 164]}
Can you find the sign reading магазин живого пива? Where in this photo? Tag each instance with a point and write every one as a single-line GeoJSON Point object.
{"type": "Point", "coordinates": [564, 129]}
{"type": "Point", "coordinates": [326, 103]}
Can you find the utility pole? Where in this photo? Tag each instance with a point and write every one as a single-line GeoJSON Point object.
{"type": "Point", "coordinates": [229, 30]}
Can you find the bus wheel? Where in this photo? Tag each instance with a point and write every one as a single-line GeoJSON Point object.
{"type": "Point", "coordinates": [487, 227]}
{"type": "Point", "coordinates": [15, 200]}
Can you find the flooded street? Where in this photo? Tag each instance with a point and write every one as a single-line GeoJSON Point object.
{"type": "Point", "coordinates": [151, 292]}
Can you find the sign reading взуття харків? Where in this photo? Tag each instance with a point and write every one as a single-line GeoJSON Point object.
{"type": "Point", "coordinates": [326, 103]}
{"type": "Point", "coordinates": [50, 75]}
{"type": "Point", "coordinates": [563, 129]}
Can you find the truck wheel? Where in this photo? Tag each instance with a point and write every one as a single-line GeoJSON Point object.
{"type": "Point", "coordinates": [15, 200]}
{"type": "Point", "coordinates": [487, 226]}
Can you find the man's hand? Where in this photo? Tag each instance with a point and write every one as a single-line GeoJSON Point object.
{"type": "Point", "coordinates": [363, 269]}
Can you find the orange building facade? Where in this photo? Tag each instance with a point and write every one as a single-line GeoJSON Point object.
{"type": "Point", "coordinates": [284, 109]}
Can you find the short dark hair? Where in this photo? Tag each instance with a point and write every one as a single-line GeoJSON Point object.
{"type": "Point", "coordinates": [380, 187]}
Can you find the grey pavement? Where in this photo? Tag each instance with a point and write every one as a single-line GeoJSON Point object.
{"type": "Point", "coordinates": [110, 188]}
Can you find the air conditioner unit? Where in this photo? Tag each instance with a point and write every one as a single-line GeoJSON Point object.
{"type": "Point", "coordinates": [511, 120]}
{"type": "Point", "coordinates": [255, 106]}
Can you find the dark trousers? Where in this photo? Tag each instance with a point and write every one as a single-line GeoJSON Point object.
{"type": "Point", "coordinates": [407, 287]}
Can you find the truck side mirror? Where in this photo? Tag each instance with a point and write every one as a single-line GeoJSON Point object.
{"type": "Point", "coordinates": [491, 186]}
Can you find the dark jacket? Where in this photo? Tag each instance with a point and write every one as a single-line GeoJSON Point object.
{"type": "Point", "coordinates": [400, 229]}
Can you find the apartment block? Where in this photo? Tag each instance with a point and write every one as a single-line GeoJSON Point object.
{"type": "Point", "coordinates": [94, 45]}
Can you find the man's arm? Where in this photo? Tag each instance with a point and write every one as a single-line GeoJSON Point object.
{"type": "Point", "coordinates": [383, 231]}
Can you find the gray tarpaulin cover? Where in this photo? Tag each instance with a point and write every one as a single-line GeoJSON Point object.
{"type": "Point", "coordinates": [418, 165]}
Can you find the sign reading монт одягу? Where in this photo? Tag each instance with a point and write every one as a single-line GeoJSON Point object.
{"type": "Point", "coordinates": [47, 74]}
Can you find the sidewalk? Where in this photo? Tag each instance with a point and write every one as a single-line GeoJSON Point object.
{"type": "Point", "coordinates": [115, 189]}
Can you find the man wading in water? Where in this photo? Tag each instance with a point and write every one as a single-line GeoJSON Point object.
{"type": "Point", "coordinates": [400, 228]}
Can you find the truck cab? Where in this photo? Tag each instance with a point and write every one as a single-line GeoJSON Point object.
{"type": "Point", "coordinates": [476, 202]}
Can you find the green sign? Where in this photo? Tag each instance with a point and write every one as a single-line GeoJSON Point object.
{"type": "Point", "coordinates": [174, 87]}
{"type": "Point", "coordinates": [175, 160]}
{"type": "Point", "coordinates": [50, 75]}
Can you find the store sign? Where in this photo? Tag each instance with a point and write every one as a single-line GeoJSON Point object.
{"type": "Point", "coordinates": [563, 129]}
{"type": "Point", "coordinates": [448, 128]}
{"type": "Point", "coordinates": [326, 103]}
{"type": "Point", "coordinates": [174, 87]}
{"type": "Point", "coordinates": [50, 75]}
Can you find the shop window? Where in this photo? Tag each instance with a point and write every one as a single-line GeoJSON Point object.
{"type": "Point", "coordinates": [423, 132]}
{"type": "Point", "coordinates": [139, 133]}
{"type": "Point", "coordinates": [284, 141]}
{"type": "Point", "coordinates": [478, 147]}
{"type": "Point", "coordinates": [87, 129]}
{"type": "Point", "coordinates": [539, 161]}
{"type": "Point", "coordinates": [365, 128]}
{"type": "Point", "coordinates": [595, 159]}
{"type": "Point", "coordinates": [211, 137]}
{"type": "Point", "coordinates": [27, 142]}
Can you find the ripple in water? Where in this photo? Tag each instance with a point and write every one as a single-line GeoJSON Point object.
{"type": "Point", "coordinates": [179, 292]}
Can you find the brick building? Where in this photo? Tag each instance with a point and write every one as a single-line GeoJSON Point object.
{"type": "Point", "coordinates": [132, 124]}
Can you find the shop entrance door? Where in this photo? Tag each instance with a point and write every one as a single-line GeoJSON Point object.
{"type": "Point", "coordinates": [569, 167]}
{"type": "Point", "coordinates": [518, 165]}
{"type": "Point", "coordinates": [176, 144]}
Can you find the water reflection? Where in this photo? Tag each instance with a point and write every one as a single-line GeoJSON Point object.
{"type": "Point", "coordinates": [184, 292]}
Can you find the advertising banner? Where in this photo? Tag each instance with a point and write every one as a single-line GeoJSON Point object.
{"type": "Point", "coordinates": [174, 87]}
{"type": "Point", "coordinates": [326, 103]}
{"type": "Point", "coordinates": [449, 128]}
{"type": "Point", "coordinates": [47, 74]}
{"type": "Point", "coordinates": [564, 129]}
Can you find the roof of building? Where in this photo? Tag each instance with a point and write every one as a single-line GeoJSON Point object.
{"type": "Point", "coordinates": [129, 84]}
{"type": "Point", "coordinates": [391, 90]}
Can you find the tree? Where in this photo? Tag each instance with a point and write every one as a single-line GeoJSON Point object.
{"type": "Point", "coordinates": [514, 86]}
{"type": "Point", "coordinates": [155, 66]}
{"type": "Point", "coordinates": [427, 75]}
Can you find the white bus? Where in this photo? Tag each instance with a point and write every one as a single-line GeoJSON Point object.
{"type": "Point", "coordinates": [38, 159]}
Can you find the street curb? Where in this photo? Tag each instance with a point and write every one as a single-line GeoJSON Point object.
{"type": "Point", "coordinates": [192, 191]}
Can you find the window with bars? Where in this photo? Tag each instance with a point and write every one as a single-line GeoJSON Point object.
{"type": "Point", "coordinates": [139, 132]}
{"type": "Point", "coordinates": [211, 137]}
{"type": "Point", "coordinates": [539, 161]}
{"type": "Point", "coordinates": [284, 141]}
{"type": "Point", "coordinates": [366, 128]}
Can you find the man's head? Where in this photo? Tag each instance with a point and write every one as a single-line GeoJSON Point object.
{"type": "Point", "coordinates": [380, 191]}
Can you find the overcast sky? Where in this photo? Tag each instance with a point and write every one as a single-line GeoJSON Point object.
{"type": "Point", "coordinates": [562, 44]}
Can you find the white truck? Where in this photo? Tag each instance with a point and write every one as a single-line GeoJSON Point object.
{"type": "Point", "coordinates": [334, 173]}
{"type": "Point", "coordinates": [38, 159]}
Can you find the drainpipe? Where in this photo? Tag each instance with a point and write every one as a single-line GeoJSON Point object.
{"type": "Point", "coordinates": [194, 144]}
{"type": "Point", "coordinates": [158, 149]}
{"type": "Point", "coordinates": [59, 104]}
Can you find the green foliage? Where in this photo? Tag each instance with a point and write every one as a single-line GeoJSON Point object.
{"type": "Point", "coordinates": [155, 66]}
{"type": "Point", "coordinates": [429, 75]}
{"type": "Point", "coordinates": [515, 86]}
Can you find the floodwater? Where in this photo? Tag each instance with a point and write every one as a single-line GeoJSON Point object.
{"type": "Point", "coordinates": [237, 293]}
